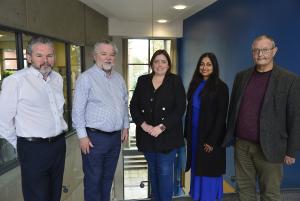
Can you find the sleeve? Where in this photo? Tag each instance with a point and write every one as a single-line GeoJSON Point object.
{"type": "Point", "coordinates": [218, 130]}
{"type": "Point", "coordinates": [82, 90]}
{"type": "Point", "coordinates": [229, 137]}
{"type": "Point", "coordinates": [233, 98]}
{"type": "Point", "coordinates": [293, 118]}
{"type": "Point", "coordinates": [126, 115]}
{"type": "Point", "coordinates": [8, 108]}
{"type": "Point", "coordinates": [180, 105]}
{"type": "Point", "coordinates": [135, 111]}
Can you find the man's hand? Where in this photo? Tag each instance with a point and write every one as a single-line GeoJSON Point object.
{"type": "Point", "coordinates": [85, 145]}
{"type": "Point", "coordinates": [124, 135]}
{"type": "Point", "coordinates": [289, 160]}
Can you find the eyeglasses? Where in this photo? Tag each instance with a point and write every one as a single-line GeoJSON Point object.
{"type": "Point", "coordinates": [263, 51]}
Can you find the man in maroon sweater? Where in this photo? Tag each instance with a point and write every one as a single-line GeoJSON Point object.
{"type": "Point", "coordinates": [264, 120]}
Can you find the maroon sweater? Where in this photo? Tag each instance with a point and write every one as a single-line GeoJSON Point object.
{"type": "Point", "coordinates": [249, 114]}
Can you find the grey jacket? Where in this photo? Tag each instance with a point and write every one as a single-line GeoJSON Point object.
{"type": "Point", "coordinates": [279, 117]}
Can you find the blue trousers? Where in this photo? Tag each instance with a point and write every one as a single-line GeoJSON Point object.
{"type": "Point", "coordinates": [42, 168]}
{"type": "Point", "coordinates": [160, 167]}
{"type": "Point", "coordinates": [100, 164]}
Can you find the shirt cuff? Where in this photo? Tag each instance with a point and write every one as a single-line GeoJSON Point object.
{"type": "Point", "coordinates": [81, 132]}
{"type": "Point", "coordinates": [14, 143]}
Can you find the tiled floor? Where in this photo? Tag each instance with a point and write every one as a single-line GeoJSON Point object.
{"type": "Point", "coordinates": [132, 181]}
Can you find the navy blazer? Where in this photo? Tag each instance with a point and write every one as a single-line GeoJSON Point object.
{"type": "Point", "coordinates": [164, 105]}
{"type": "Point", "coordinates": [279, 117]}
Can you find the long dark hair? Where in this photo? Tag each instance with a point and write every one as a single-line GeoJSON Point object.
{"type": "Point", "coordinates": [197, 76]}
{"type": "Point", "coordinates": [165, 53]}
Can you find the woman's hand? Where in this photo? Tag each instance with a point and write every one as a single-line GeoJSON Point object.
{"type": "Point", "coordinates": [156, 131]}
{"type": "Point", "coordinates": [146, 127]}
{"type": "Point", "coordinates": [208, 148]}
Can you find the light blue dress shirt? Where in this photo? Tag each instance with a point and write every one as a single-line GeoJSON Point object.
{"type": "Point", "coordinates": [100, 102]}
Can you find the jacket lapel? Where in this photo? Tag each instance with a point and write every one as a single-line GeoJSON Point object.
{"type": "Point", "coordinates": [272, 84]}
{"type": "Point", "coordinates": [243, 83]}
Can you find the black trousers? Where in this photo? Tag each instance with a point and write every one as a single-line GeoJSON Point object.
{"type": "Point", "coordinates": [42, 168]}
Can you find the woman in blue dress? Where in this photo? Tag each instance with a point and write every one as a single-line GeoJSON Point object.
{"type": "Point", "coordinates": [205, 127]}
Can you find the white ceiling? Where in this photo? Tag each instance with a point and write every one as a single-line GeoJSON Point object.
{"type": "Point", "coordinates": [141, 10]}
{"type": "Point", "coordinates": [138, 15]}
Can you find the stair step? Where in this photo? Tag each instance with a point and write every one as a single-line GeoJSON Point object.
{"type": "Point", "coordinates": [126, 167]}
{"type": "Point", "coordinates": [134, 161]}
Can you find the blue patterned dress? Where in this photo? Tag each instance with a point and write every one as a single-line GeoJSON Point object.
{"type": "Point", "coordinates": [202, 188]}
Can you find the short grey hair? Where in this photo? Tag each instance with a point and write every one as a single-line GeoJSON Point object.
{"type": "Point", "coordinates": [36, 40]}
{"type": "Point", "coordinates": [106, 42]}
{"type": "Point", "coordinates": [264, 36]}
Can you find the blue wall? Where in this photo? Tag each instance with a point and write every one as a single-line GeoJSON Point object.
{"type": "Point", "coordinates": [228, 28]}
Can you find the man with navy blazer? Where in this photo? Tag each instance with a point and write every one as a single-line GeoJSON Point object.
{"type": "Point", "coordinates": [264, 121]}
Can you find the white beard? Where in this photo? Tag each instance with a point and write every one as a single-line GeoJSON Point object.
{"type": "Point", "coordinates": [107, 67]}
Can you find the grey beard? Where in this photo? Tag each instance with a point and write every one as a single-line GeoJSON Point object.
{"type": "Point", "coordinates": [44, 70]}
{"type": "Point", "coordinates": [107, 67]}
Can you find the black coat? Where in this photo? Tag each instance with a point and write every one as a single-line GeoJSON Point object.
{"type": "Point", "coordinates": [212, 128]}
{"type": "Point", "coordinates": [165, 105]}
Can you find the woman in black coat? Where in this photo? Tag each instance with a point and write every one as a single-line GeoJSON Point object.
{"type": "Point", "coordinates": [205, 129]}
{"type": "Point", "coordinates": [157, 106]}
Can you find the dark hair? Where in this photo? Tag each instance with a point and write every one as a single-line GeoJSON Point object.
{"type": "Point", "coordinates": [197, 76]}
{"type": "Point", "coordinates": [159, 52]}
{"type": "Point", "coordinates": [35, 40]}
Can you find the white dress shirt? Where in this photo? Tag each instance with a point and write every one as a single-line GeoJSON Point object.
{"type": "Point", "coordinates": [31, 106]}
{"type": "Point", "coordinates": [100, 102]}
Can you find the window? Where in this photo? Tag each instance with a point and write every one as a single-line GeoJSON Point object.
{"type": "Point", "coordinates": [76, 67]}
{"type": "Point", "coordinates": [8, 58]}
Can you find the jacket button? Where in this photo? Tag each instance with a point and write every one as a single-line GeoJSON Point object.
{"type": "Point", "coordinates": [151, 99]}
{"type": "Point", "coordinates": [163, 108]}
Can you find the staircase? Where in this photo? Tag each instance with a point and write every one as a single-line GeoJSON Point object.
{"type": "Point", "coordinates": [134, 162]}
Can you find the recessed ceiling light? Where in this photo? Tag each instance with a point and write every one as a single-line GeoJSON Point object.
{"type": "Point", "coordinates": [179, 7]}
{"type": "Point", "coordinates": [162, 21]}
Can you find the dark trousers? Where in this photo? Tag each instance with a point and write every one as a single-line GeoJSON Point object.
{"type": "Point", "coordinates": [100, 164]}
{"type": "Point", "coordinates": [42, 168]}
{"type": "Point", "coordinates": [251, 166]}
{"type": "Point", "coordinates": [160, 168]}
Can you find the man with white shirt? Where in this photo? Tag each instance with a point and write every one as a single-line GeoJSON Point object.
{"type": "Point", "coordinates": [31, 105]}
{"type": "Point", "coordinates": [100, 116]}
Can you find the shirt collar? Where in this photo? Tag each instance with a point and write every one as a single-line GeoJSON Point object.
{"type": "Point", "coordinates": [37, 73]}
{"type": "Point", "coordinates": [103, 73]}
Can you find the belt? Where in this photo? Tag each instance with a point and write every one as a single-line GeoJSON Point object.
{"type": "Point", "coordinates": [100, 131]}
{"type": "Point", "coordinates": [39, 139]}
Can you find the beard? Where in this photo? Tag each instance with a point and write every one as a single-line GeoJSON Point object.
{"type": "Point", "coordinates": [44, 68]}
{"type": "Point", "coordinates": [107, 66]}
